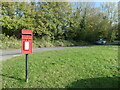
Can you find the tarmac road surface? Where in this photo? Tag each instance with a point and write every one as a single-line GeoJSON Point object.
{"type": "Point", "coordinates": [7, 54]}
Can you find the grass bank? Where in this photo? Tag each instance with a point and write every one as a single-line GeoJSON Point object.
{"type": "Point", "coordinates": [13, 43]}
{"type": "Point", "coordinates": [81, 67]}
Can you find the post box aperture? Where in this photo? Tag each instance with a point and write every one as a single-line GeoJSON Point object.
{"type": "Point", "coordinates": [26, 41]}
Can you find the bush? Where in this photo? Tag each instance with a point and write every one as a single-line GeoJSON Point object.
{"type": "Point", "coordinates": [13, 43]}
{"type": "Point", "coordinates": [9, 42]}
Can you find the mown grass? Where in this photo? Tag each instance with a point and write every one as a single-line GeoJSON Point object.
{"type": "Point", "coordinates": [81, 67]}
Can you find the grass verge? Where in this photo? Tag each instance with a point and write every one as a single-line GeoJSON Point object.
{"type": "Point", "coordinates": [81, 67]}
{"type": "Point", "coordinates": [13, 43]}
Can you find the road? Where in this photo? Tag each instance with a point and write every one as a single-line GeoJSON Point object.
{"type": "Point", "coordinates": [7, 54]}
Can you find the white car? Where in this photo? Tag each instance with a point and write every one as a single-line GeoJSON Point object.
{"type": "Point", "coordinates": [101, 41]}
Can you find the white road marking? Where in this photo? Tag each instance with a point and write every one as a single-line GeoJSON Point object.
{"type": "Point", "coordinates": [0, 58]}
{"type": "Point", "coordinates": [15, 55]}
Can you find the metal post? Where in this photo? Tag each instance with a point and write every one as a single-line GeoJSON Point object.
{"type": "Point", "coordinates": [26, 67]}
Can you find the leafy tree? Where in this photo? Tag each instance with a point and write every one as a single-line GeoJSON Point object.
{"type": "Point", "coordinates": [60, 20]}
{"type": "Point", "coordinates": [52, 19]}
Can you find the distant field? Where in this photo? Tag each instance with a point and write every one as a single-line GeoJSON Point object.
{"type": "Point", "coordinates": [81, 67]}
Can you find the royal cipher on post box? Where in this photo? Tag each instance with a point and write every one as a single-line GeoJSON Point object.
{"type": "Point", "coordinates": [26, 41]}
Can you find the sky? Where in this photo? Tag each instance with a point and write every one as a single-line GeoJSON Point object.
{"type": "Point", "coordinates": [97, 4]}
{"type": "Point", "coordinates": [106, 0]}
{"type": "Point", "coordinates": [62, 0]}
{"type": "Point", "coordinates": [94, 0]}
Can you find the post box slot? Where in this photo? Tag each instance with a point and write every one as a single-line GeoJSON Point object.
{"type": "Point", "coordinates": [26, 36]}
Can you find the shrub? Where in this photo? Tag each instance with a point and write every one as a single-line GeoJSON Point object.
{"type": "Point", "coordinates": [9, 42]}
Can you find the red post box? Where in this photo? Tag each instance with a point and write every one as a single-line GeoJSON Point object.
{"type": "Point", "coordinates": [26, 41]}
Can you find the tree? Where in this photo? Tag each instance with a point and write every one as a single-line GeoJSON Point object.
{"type": "Point", "coordinates": [52, 19]}
{"type": "Point", "coordinates": [16, 16]}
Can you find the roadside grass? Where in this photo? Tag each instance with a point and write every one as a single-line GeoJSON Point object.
{"type": "Point", "coordinates": [7, 42]}
{"type": "Point", "coordinates": [81, 67]}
